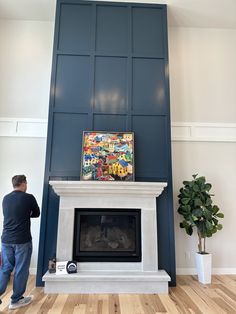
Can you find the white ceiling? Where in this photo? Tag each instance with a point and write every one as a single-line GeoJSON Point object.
{"type": "Point", "coordinates": [186, 13]}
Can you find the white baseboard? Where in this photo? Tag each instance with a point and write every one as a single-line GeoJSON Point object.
{"type": "Point", "coordinates": [224, 271]}
{"type": "Point", "coordinates": [186, 271]}
{"type": "Point", "coordinates": [215, 271]}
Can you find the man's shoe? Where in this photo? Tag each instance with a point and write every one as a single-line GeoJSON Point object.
{"type": "Point", "coordinates": [22, 302]}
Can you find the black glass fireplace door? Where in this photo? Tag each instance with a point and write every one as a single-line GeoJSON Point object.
{"type": "Point", "coordinates": [107, 235]}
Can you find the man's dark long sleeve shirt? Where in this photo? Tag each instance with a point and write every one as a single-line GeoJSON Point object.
{"type": "Point", "coordinates": [18, 208]}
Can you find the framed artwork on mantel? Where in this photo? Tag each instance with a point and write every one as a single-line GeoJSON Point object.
{"type": "Point", "coordinates": [107, 156]}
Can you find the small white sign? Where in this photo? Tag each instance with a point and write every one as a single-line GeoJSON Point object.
{"type": "Point", "coordinates": [61, 268]}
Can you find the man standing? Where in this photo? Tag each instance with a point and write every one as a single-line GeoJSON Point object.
{"type": "Point", "coordinates": [18, 208]}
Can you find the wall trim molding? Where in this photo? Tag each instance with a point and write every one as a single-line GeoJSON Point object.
{"type": "Point", "coordinates": [23, 127]}
{"type": "Point", "coordinates": [181, 131]}
{"type": "Point", "coordinates": [215, 271]}
{"type": "Point", "coordinates": [203, 132]}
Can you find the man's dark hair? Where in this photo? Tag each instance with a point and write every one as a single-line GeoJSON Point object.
{"type": "Point", "coordinates": [18, 179]}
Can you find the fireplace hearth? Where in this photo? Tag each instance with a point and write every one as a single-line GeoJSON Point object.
{"type": "Point", "coordinates": [107, 235]}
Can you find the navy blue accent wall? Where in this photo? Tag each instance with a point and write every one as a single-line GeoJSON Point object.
{"type": "Point", "coordinates": [109, 72]}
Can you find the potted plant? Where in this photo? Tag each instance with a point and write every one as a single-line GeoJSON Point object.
{"type": "Point", "coordinates": [197, 209]}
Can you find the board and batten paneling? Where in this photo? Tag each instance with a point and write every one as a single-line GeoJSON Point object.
{"type": "Point", "coordinates": [109, 72]}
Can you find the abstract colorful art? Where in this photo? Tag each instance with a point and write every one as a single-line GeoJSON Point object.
{"type": "Point", "coordinates": [107, 156]}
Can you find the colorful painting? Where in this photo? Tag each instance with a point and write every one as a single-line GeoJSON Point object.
{"type": "Point", "coordinates": [107, 156]}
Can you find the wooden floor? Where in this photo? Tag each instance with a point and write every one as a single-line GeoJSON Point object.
{"type": "Point", "coordinates": [188, 297]}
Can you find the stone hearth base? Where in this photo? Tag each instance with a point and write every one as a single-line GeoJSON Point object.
{"type": "Point", "coordinates": [99, 282]}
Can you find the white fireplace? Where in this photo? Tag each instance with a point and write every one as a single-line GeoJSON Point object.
{"type": "Point", "coordinates": [108, 277]}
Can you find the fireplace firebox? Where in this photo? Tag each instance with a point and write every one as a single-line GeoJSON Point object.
{"type": "Point", "coordinates": [107, 235]}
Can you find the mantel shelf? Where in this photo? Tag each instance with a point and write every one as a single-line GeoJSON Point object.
{"type": "Point", "coordinates": [144, 189]}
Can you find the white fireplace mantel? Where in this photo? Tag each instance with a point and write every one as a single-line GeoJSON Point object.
{"type": "Point", "coordinates": [81, 188]}
{"type": "Point", "coordinates": [108, 277]}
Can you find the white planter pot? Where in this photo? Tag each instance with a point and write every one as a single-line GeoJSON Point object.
{"type": "Point", "coordinates": [203, 264]}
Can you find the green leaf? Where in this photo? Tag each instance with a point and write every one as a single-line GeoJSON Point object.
{"type": "Point", "coordinates": [208, 201]}
{"type": "Point", "coordinates": [208, 186]}
{"type": "Point", "coordinates": [184, 223]}
{"type": "Point", "coordinates": [209, 233]}
{"type": "Point", "coordinates": [185, 200]}
{"type": "Point", "coordinates": [209, 226]}
{"type": "Point", "coordinates": [201, 180]}
{"type": "Point", "coordinates": [184, 210]}
{"type": "Point", "coordinates": [220, 215]}
{"type": "Point", "coordinates": [189, 230]}
{"type": "Point", "coordinates": [184, 192]}
{"type": "Point", "coordinates": [197, 212]}
{"type": "Point", "coordinates": [219, 226]}
{"type": "Point", "coordinates": [196, 188]}
{"type": "Point", "coordinates": [207, 214]}
{"type": "Point", "coordinates": [197, 202]}
{"type": "Point", "coordinates": [215, 209]}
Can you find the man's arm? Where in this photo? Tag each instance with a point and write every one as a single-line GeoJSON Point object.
{"type": "Point", "coordinates": [35, 211]}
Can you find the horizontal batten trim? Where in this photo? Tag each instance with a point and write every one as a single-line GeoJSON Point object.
{"type": "Point", "coordinates": [181, 131]}
{"type": "Point", "coordinates": [203, 132]}
{"type": "Point", "coordinates": [23, 127]}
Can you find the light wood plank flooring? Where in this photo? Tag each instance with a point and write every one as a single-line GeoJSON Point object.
{"type": "Point", "coordinates": [188, 297]}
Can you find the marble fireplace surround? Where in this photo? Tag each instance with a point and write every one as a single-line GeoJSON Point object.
{"type": "Point", "coordinates": [108, 277]}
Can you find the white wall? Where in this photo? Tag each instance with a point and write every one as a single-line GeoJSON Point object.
{"type": "Point", "coordinates": [24, 156]}
{"type": "Point", "coordinates": [203, 80]}
{"type": "Point", "coordinates": [203, 74]}
{"type": "Point", "coordinates": [25, 67]}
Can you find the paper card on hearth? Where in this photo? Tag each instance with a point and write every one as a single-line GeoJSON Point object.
{"type": "Point", "coordinates": [61, 268]}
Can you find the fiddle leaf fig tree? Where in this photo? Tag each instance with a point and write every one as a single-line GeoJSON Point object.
{"type": "Point", "coordinates": [197, 209]}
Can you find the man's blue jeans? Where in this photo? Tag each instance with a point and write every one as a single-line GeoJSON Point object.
{"type": "Point", "coordinates": [18, 256]}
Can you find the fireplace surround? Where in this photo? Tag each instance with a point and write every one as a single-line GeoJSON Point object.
{"type": "Point", "coordinates": [141, 276]}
